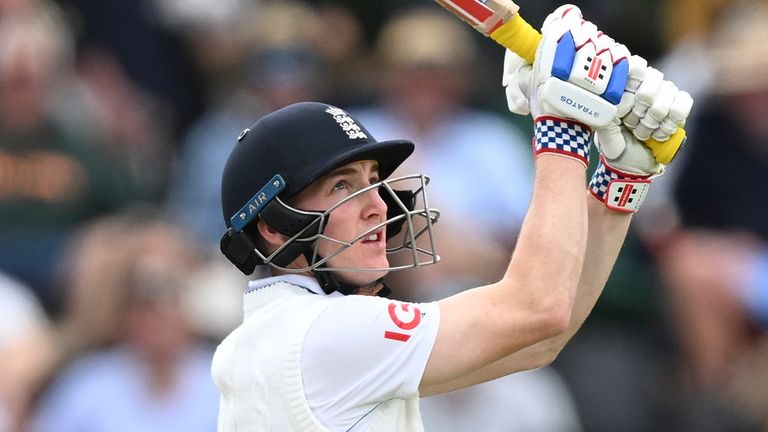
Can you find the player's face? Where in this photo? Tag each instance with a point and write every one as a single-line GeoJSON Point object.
{"type": "Point", "coordinates": [350, 219]}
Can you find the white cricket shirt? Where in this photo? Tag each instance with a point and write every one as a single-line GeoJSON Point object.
{"type": "Point", "coordinates": [359, 359]}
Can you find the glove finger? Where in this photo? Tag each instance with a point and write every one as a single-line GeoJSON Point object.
{"type": "Point", "coordinates": [643, 132]}
{"type": "Point", "coordinates": [564, 18]}
{"type": "Point", "coordinates": [571, 15]}
{"type": "Point", "coordinates": [545, 57]}
{"type": "Point", "coordinates": [657, 112]}
{"type": "Point", "coordinates": [632, 119]}
{"type": "Point", "coordinates": [512, 64]}
{"type": "Point", "coordinates": [602, 41]}
{"type": "Point", "coordinates": [681, 108]}
{"type": "Point", "coordinates": [625, 105]}
{"type": "Point", "coordinates": [584, 32]}
{"type": "Point", "coordinates": [637, 69]}
{"type": "Point", "coordinates": [517, 102]}
{"type": "Point", "coordinates": [609, 141]}
{"type": "Point", "coordinates": [665, 130]}
{"type": "Point", "coordinates": [661, 106]}
{"type": "Point", "coordinates": [619, 52]}
{"type": "Point", "coordinates": [649, 88]}
{"type": "Point", "coordinates": [516, 79]}
{"type": "Point", "coordinates": [558, 14]}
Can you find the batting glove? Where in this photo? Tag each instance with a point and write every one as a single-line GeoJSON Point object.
{"type": "Point", "coordinates": [621, 181]}
{"type": "Point", "coordinates": [578, 77]}
{"type": "Point", "coordinates": [654, 109]}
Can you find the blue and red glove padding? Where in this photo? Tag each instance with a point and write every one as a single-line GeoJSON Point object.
{"type": "Point", "coordinates": [562, 67]}
{"type": "Point", "coordinates": [562, 136]}
{"type": "Point", "coordinates": [618, 190]}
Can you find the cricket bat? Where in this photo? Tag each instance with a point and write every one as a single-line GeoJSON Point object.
{"type": "Point", "coordinates": [500, 21]}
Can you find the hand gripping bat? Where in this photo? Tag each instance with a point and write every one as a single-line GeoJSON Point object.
{"type": "Point", "coordinates": [500, 20]}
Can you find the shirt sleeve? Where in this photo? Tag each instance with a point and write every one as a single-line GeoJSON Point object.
{"type": "Point", "coordinates": [362, 351]}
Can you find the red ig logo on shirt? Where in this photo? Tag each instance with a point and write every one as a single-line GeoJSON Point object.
{"type": "Point", "coordinates": [406, 317]}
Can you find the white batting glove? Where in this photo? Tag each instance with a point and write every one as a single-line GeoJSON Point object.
{"type": "Point", "coordinates": [590, 57]}
{"type": "Point", "coordinates": [516, 80]}
{"type": "Point", "coordinates": [575, 50]}
{"type": "Point", "coordinates": [651, 106]}
{"type": "Point", "coordinates": [621, 181]}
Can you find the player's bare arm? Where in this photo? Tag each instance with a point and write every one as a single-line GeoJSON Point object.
{"type": "Point", "coordinates": [607, 230]}
{"type": "Point", "coordinates": [534, 299]}
{"type": "Point", "coordinates": [615, 192]}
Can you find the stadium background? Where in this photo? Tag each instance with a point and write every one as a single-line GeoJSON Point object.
{"type": "Point", "coordinates": [115, 119]}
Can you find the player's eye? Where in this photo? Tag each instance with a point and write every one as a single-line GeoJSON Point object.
{"type": "Point", "coordinates": [341, 185]}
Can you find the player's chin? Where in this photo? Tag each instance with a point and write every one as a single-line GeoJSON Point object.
{"type": "Point", "coordinates": [372, 255]}
{"type": "Point", "coordinates": [376, 267]}
{"type": "Point", "coordinates": [362, 278]}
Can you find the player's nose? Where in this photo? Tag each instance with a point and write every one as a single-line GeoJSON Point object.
{"type": "Point", "coordinates": [374, 205]}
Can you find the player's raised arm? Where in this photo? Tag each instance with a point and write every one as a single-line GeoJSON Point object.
{"type": "Point", "coordinates": [616, 190]}
{"type": "Point", "coordinates": [534, 299]}
{"type": "Point", "coordinates": [624, 174]}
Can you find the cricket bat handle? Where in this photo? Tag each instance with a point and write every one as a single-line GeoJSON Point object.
{"type": "Point", "coordinates": [519, 36]}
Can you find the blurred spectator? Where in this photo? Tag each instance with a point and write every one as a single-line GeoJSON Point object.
{"type": "Point", "coordinates": [93, 269]}
{"type": "Point", "coordinates": [131, 125]}
{"type": "Point", "coordinates": [716, 264]}
{"type": "Point", "coordinates": [347, 67]}
{"type": "Point", "coordinates": [154, 375]}
{"type": "Point", "coordinates": [425, 56]}
{"type": "Point", "coordinates": [690, 19]}
{"type": "Point", "coordinates": [26, 352]}
{"type": "Point", "coordinates": [51, 179]}
{"type": "Point", "coordinates": [619, 363]}
{"type": "Point", "coordinates": [278, 66]}
{"type": "Point", "coordinates": [212, 35]}
{"type": "Point", "coordinates": [139, 86]}
{"type": "Point", "coordinates": [139, 37]}
{"type": "Point", "coordinates": [687, 27]}
{"type": "Point", "coordinates": [531, 401]}
{"type": "Point", "coordinates": [373, 14]}
{"type": "Point", "coordinates": [12, 6]}
{"type": "Point", "coordinates": [92, 275]}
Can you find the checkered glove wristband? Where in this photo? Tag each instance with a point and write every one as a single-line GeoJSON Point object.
{"type": "Point", "coordinates": [564, 137]}
{"type": "Point", "coordinates": [618, 190]}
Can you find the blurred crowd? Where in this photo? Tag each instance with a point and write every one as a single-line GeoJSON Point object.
{"type": "Point", "coordinates": [116, 118]}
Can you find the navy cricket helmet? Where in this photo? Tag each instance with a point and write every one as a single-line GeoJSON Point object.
{"type": "Point", "coordinates": [282, 154]}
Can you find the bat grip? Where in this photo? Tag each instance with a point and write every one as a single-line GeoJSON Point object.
{"type": "Point", "coordinates": [665, 151]}
{"type": "Point", "coordinates": [518, 36]}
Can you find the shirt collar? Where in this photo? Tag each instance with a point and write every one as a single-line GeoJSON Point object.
{"type": "Point", "coordinates": [307, 282]}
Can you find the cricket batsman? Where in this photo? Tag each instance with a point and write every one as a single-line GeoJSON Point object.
{"type": "Point", "coordinates": [309, 192]}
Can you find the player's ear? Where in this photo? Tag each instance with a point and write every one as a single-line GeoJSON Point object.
{"type": "Point", "coordinates": [272, 237]}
